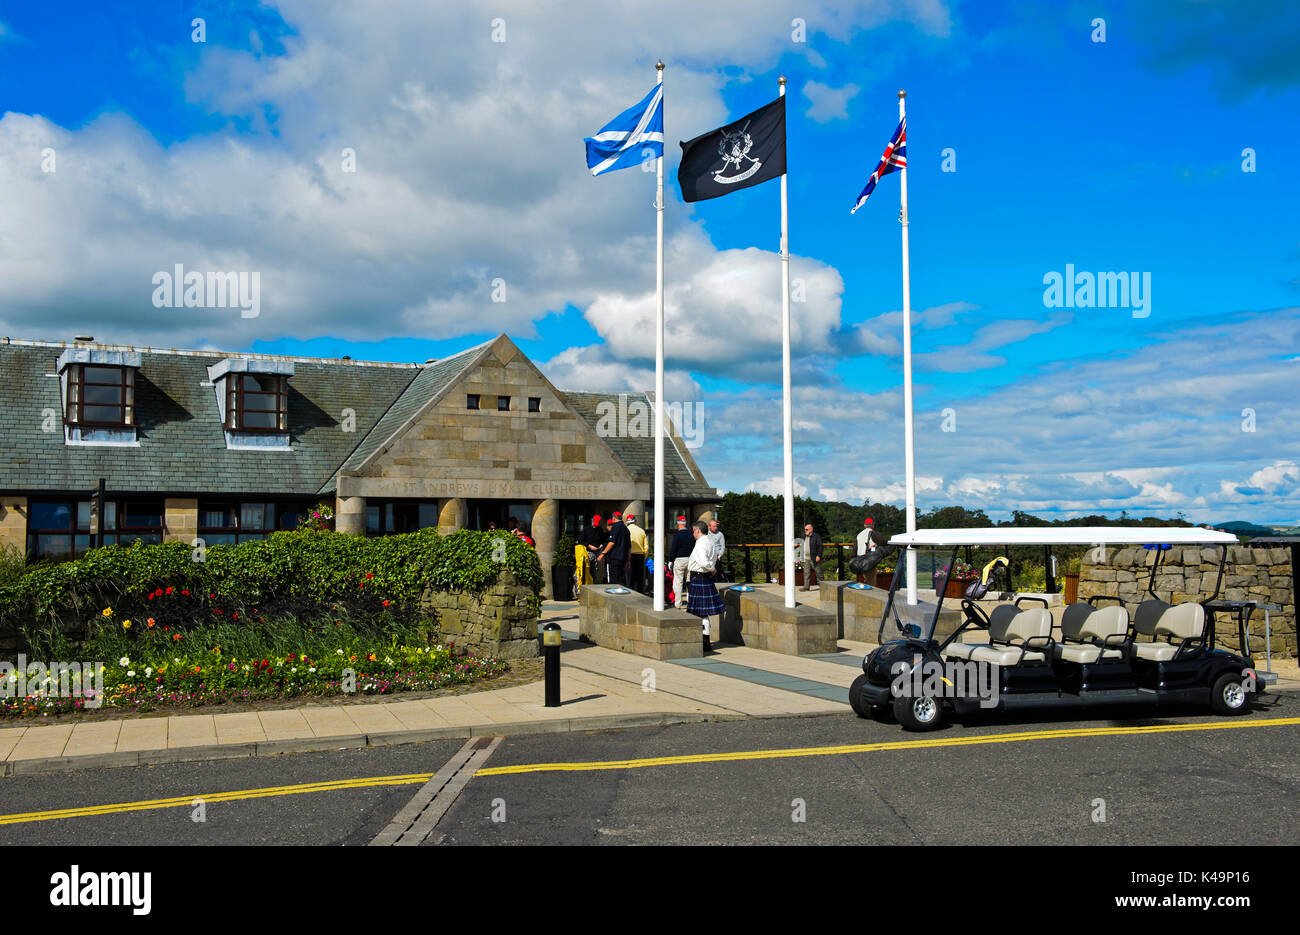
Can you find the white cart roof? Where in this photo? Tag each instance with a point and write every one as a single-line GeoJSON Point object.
{"type": "Point", "coordinates": [1065, 535]}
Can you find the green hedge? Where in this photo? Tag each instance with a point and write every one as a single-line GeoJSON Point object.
{"type": "Point", "coordinates": [305, 574]}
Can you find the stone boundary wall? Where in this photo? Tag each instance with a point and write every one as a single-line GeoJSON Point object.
{"type": "Point", "coordinates": [858, 612]}
{"type": "Point", "coordinates": [1189, 574]}
{"type": "Point", "coordinates": [761, 620]}
{"type": "Point", "coordinates": [499, 622]}
{"type": "Point", "coordinates": [630, 624]}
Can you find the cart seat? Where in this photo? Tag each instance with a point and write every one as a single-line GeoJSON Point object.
{"type": "Point", "coordinates": [1177, 622]}
{"type": "Point", "coordinates": [1009, 629]}
{"type": "Point", "coordinates": [1085, 628]}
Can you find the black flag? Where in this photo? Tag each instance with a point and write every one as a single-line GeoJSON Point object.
{"type": "Point", "coordinates": [741, 154]}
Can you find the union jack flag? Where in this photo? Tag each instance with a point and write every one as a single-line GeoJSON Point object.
{"type": "Point", "coordinates": [895, 157]}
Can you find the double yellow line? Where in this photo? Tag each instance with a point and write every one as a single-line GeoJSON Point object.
{"type": "Point", "coordinates": [686, 759]}
{"type": "Point", "coordinates": [188, 800]}
{"type": "Point", "coordinates": [1062, 734]}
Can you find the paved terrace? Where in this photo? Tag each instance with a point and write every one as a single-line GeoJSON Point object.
{"type": "Point", "coordinates": [600, 689]}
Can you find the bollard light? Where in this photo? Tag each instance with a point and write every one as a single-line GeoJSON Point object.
{"type": "Point", "coordinates": [551, 639]}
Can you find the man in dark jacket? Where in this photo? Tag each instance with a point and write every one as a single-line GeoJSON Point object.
{"type": "Point", "coordinates": [593, 539]}
{"type": "Point", "coordinates": [812, 557]}
{"type": "Point", "coordinates": [679, 550]}
{"type": "Point", "coordinates": [616, 551]}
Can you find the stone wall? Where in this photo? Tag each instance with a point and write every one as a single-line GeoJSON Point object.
{"type": "Point", "coordinates": [1189, 574]}
{"type": "Point", "coordinates": [760, 619]}
{"type": "Point", "coordinates": [499, 622]}
{"type": "Point", "coordinates": [629, 623]}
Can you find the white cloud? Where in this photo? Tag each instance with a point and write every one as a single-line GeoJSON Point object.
{"type": "Point", "coordinates": [829, 103]}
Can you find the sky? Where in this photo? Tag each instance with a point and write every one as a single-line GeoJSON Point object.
{"type": "Point", "coordinates": [408, 180]}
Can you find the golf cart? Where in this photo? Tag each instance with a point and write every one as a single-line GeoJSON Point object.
{"type": "Point", "coordinates": [1096, 661]}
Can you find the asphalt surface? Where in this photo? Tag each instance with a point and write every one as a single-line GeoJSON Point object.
{"type": "Point", "coordinates": [1189, 787]}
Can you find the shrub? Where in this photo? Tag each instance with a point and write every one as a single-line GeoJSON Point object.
{"type": "Point", "coordinates": [564, 554]}
{"type": "Point", "coordinates": [303, 574]}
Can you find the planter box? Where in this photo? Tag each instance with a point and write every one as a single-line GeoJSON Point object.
{"type": "Point", "coordinates": [562, 584]}
{"type": "Point", "coordinates": [884, 579]}
{"type": "Point", "coordinates": [798, 578]}
{"type": "Point", "coordinates": [956, 589]}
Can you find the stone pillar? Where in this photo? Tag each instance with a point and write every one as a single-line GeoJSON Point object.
{"type": "Point", "coordinates": [546, 531]}
{"type": "Point", "coordinates": [180, 520]}
{"type": "Point", "coordinates": [350, 515]}
{"type": "Point", "coordinates": [637, 507]}
{"type": "Point", "coordinates": [453, 515]}
{"type": "Point", "coordinates": [13, 523]}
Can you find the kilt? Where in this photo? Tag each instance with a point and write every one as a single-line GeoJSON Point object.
{"type": "Point", "coordinates": [703, 599]}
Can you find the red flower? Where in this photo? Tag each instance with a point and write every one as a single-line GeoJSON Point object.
{"type": "Point", "coordinates": [370, 574]}
{"type": "Point", "coordinates": [176, 637]}
{"type": "Point", "coordinates": [170, 590]}
{"type": "Point", "coordinates": [385, 603]}
{"type": "Point", "coordinates": [151, 597]}
{"type": "Point", "coordinates": [186, 593]}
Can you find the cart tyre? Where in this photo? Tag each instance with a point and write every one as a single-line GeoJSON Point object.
{"type": "Point", "coordinates": [859, 704]}
{"type": "Point", "coordinates": [919, 713]}
{"type": "Point", "coordinates": [1229, 696]}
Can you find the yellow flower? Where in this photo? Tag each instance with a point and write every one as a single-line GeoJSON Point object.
{"type": "Point", "coordinates": [126, 624]}
{"type": "Point", "coordinates": [108, 611]}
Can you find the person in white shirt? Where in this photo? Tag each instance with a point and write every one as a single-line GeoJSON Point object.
{"type": "Point", "coordinates": [867, 539]}
{"type": "Point", "coordinates": [702, 598]}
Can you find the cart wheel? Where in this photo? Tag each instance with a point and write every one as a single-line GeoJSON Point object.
{"type": "Point", "coordinates": [1229, 696]}
{"type": "Point", "coordinates": [920, 713]}
{"type": "Point", "coordinates": [859, 704]}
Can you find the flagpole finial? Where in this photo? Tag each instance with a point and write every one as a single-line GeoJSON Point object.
{"type": "Point", "coordinates": [781, 80]}
{"type": "Point", "coordinates": [659, 65]}
{"type": "Point", "coordinates": [901, 93]}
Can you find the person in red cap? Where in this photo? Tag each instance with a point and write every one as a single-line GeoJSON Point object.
{"type": "Point", "coordinates": [590, 541]}
{"type": "Point", "coordinates": [616, 551]}
{"type": "Point", "coordinates": [867, 538]}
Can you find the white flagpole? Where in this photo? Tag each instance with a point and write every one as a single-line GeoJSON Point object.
{"type": "Point", "coordinates": [786, 415]}
{"type": "Point", "coordinates": [908, 445]}
{"type": "Point", "coordinates": [660, 518]}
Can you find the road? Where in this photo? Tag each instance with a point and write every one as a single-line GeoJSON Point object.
{"type": "Point", "coordinates": [763, 781]}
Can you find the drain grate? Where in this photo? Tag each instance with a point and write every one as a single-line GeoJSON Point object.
{"type": "Point", "coordinates": [417, 819]}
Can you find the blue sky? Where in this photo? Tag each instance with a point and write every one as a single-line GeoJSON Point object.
{"type": "Point", "coordinates": [1117, 155]}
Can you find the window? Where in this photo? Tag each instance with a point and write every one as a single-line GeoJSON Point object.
{"type": "Point", "coordinates": [503, 404]}
{"type": "Point", "coordinates": [257, 402]}
{"type": "Point", "coordinates": [100, 396]}
{"type": "Point", "coordinates": [471, 401]}
{"type": "Point", "coordinates": [388, 517]}
{"type": "Point", "coordinates": [126, 521]}
{"type": "Point", "coordinates": [57, 529]}
{"type": "Point", "coordinates": [222, 523]}
{"type": "Point", "coordinates": [534, 404]}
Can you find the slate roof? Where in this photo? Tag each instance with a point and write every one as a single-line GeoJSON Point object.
{"type": "Point", "coordinates": [182, 446]}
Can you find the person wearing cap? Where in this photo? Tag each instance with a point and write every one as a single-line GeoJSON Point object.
{"type": "Point", "coordinates": [867, 538]}
{"type": "Point", "coordinates": [679, 553]}
{"type": "Point", "coordinates": [616, 551]}
{"type": "Point", "coordinates": [590, 541]}
{"type": "Point", "coordinates": [637, 551]}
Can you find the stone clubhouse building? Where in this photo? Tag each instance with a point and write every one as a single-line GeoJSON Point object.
{"type": "Point", "coordinates": [112, 444]}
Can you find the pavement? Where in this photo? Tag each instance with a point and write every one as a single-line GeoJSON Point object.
{"type": "Point", "coordinates": [600, 689]}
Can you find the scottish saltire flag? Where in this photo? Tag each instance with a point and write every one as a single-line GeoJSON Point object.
{"type": "Point", "coordinates": [895, 157]}
{"type": "Point", "coordinates": [620, 144]}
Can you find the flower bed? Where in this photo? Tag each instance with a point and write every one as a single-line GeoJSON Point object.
{"type": "Point", "coordinates": [147, 666]}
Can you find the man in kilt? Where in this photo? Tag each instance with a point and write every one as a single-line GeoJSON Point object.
{"type": "Point", "coordinates": [702, 598]}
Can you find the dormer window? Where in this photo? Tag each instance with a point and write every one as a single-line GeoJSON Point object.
{"type": "Point", "coordinates": [257, 402]}
{"type": "Point", "coordinates": [98, 390]}
{"type": "Point", "coordinates": [100, 397]}
{"type": "Point", "coordinates": [253, 400]}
